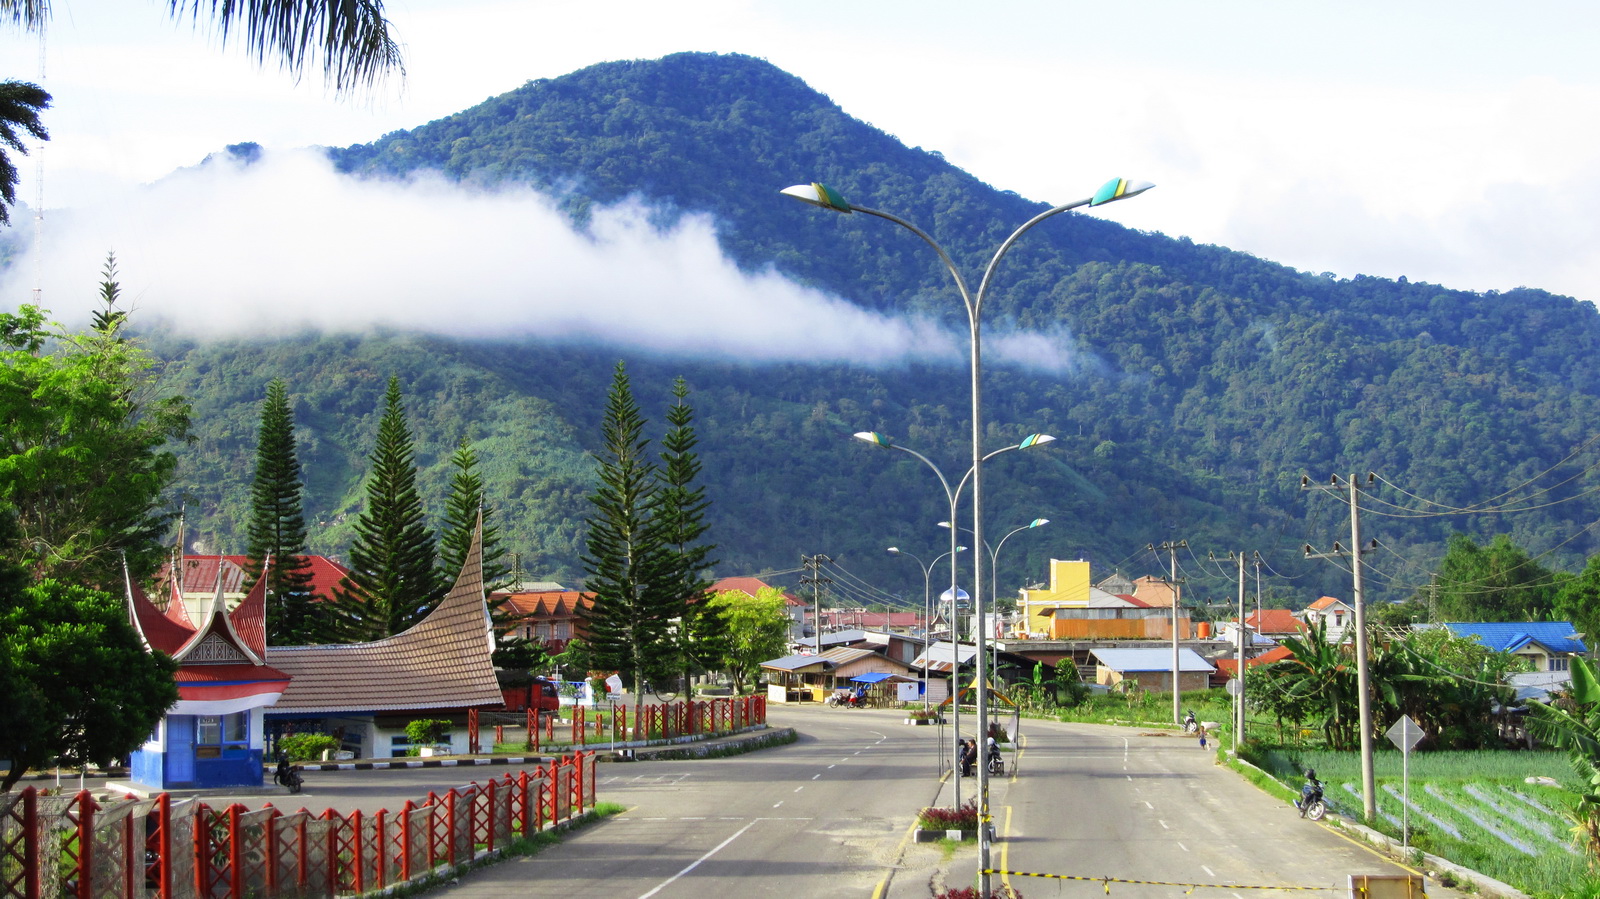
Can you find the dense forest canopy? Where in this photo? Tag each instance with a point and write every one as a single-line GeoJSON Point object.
{"type": "Point", "coordinates": [1195, 384]}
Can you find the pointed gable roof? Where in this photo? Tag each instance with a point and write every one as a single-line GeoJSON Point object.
{"type": "Point", "coordinates": [217, 626]}
{"type": "Point", "coordinates": [159, 632]}
{"type": "Point", "coordinates": [441, 662]}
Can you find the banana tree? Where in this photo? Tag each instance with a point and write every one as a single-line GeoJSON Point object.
{"type": "Point", "coordinates": [1573, 724]}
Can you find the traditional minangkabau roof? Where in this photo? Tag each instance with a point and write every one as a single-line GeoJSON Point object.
{"type": "Point", "coordinates": [442, 662]}
{"type": "Point", "coordinates": [221, 659]}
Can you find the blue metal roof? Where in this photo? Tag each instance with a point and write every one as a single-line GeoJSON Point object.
{"type": "Point", "coordinates": [1510, 636]}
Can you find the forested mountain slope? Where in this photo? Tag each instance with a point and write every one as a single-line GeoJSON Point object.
{"type": "Point", "coordinates": [1202, 383]}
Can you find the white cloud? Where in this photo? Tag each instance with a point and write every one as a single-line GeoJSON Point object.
{"type": "Point", "coordinates": [289, 243]}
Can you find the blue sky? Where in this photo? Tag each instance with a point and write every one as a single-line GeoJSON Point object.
{"type": "Point", "coordinates": [1448, 142]}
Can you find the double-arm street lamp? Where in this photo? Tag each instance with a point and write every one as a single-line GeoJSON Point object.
{"type": "Point", "coordinates": [953, 497]}
{"type": "Point", "coordinates": [822, 196]}
{"type": "Point", "coordinates": [927, 604]}
{"type": "Point", "coordinates": [994, 557]}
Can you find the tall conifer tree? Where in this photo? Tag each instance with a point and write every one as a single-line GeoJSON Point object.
{"type": "Point", "coordinates": [393, 580]}
{"type": "Point", "coordinates": [460, 520]}
{"type": "Point", "coordinates": [631, 570]}
{"type": "Point", "coordinates": [701, 631]}
{"type": "Point", "coordinates": [277, 537]}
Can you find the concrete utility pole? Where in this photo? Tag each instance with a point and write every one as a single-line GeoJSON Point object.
{"type": "Point", "coordinates": [815, 579]}
{"type": "Point", "coordinates": [1369, 799]}
{"type": "Point", "coordinates": [1238, 634]}
{"type": "Point", "coordinates": [1172, 549]}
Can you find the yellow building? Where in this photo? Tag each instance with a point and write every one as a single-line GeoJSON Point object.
{"type": "Point", "coordinates": [1069, 586]}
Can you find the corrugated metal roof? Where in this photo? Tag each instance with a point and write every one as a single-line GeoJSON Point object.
{"type": "Point", "coordinates": [1509, 636]}
{"type": "Point", "coordinates": [1150, 660]}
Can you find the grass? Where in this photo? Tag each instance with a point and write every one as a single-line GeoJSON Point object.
{"type": "Point", "coordinates": [1474, 808]}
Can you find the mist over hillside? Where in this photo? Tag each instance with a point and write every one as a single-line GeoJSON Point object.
{"type": "Point", "coordinates": [502, 259]}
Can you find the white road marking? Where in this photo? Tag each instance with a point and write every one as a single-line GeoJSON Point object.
{"type": "Point", "coordinates": [1183, 847]}
{"type": "Point", "coordinates": [1163, 824]}
{"type": "Point", "coordinates": [799, 788]}
{"type": "Point", "coordinates": [830, 766]}
{"type": "Point", "coordinates": [815, 776]}
{"type": "Point", "coordinates": [1148, 805]}
{"type": "Point", "coordinates": [778, 803]}
{"type": "Point", "coordinates": [696, 863]}
{"type": "Point", "coordinates": [1209, 872]}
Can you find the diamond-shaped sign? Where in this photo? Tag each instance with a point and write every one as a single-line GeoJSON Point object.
{"type": "Point", "coordinates": [1405, 734]}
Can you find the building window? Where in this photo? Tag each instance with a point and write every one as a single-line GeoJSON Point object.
{"type": "Point", "coordinates": [1558, 663]}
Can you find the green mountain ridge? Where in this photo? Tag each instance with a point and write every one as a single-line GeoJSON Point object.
{"type": "Point", "coordinates": [1219, 378]}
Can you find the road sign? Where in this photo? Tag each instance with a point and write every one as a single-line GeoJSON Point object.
{"type": "Point", "coordinates": [1405, 734]}
{"type": "Point", "coordinates": [1233, 686]}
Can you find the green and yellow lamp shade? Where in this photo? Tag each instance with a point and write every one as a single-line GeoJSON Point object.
{"type": "Point", "coordinates": [873, 437]}
{"type": "Point", "coordinates": [1033, 440]}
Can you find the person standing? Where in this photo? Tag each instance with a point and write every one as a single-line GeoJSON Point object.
{"type": "Point", "coordinates": [1202, 730]}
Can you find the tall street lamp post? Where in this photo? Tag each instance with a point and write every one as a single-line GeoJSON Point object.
{"type": "Point", "coordinates": [927, 606]}
{"type": "Point", "coordinates": [820, 195]}
{"type": "Point", "coordinates": [953, 497]}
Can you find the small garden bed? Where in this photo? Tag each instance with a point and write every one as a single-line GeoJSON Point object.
{"type": "Point", "coordinates": [935, 824]}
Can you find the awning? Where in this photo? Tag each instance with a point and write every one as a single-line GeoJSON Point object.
{"type": "Point", "coordinates": [871, 677]}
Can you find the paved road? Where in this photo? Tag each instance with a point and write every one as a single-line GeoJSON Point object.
{"type": "Point", "coordinates": [818, 818]}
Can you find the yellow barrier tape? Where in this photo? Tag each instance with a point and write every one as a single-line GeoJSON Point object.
{"type": "Point", "coordinates": [1106, 882]}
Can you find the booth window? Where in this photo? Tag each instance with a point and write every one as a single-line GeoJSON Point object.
{"type": "Point", "coordinates": [218, 732]}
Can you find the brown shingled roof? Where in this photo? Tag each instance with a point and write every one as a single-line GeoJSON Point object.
{"type": "Point", "coordinates": [442, 662]}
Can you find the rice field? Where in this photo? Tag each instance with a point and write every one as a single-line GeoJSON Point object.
{"type": "Point", "coordinates": [1476, 809]}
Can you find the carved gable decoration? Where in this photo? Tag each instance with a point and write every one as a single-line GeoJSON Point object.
{"type": "Point", "coordinates": [215, 648]}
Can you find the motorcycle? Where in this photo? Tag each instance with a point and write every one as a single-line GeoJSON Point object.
{"type": "Point", "coordinates": [1311, 804]}
{"type": "Point", "coordinates": [997, 761]}
{"type": "Point", "coordinates": [846, 700]}
{"type": "Point", "coordinates": [1189, 724]}
{"type": "Point", "coordinates": [288, 775]}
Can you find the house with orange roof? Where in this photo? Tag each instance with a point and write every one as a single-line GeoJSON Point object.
{"type": "Point", "coordinates": [550, 618]}
{"type": "Point", "coordinates": [1275, 623]}
{"type": "Point", "coordinates": [1335, 615]}
{"type": "Point", "coordinates": [1227, 668]}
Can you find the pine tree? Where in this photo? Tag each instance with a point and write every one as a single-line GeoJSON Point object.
{"type": "Point", "coordinates": [632, 573]}
{"type": "Point", "coordinates": [461, 509]}
{"type": "Point", "coordinates": [393, 581]}
{"type": "Point", "coordinates": [701, 631]}
{"type": "Point", "coordinates": [277, 537]}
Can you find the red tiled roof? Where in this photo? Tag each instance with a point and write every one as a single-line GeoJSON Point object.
{"type": "Point", "coordinates": [1275, 654]}
{"type": "Point", "coordinates": [1323, 603]}
{"type": "Point", "coordinates": [158, 631]}
{"type": "Point", "coordinates": [1275, 621]}
{"type": "Point", "coordinates": [1134, 601]}
{"type": "Point", "coordinates": [751, 585]}
{"type": "Point", "coordinates": [442, 662]}
{"type": "Point", "coordinates": [559, 604]}
{"type": "Point", "coordinates": [200, 574]}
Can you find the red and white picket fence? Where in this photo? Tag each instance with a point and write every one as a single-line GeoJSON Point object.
{"type": "Point", "coordinates": [72, 846]}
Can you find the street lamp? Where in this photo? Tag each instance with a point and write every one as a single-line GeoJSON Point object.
{"type": "Point", "coordinates": [927, 606]}
{"type": "Point", "coordinates": [954, 497]}
{"type": "Point", "coordinates": [820, 195]}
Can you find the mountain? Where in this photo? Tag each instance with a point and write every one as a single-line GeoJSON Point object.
{"type": "Point", "coordinates": [1191, 386]}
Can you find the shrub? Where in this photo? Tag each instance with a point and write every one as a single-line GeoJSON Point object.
{"type": "Point", "coordinates": [924, 715]}
{"type": "Point", "coordinates": [427, 731]}
{"type": "Point", "coordinates": [306, 747]}
{"type": "Point", "coordinates": [963, 818]}
{"type": "Point", "coordinates": [1002, 892]}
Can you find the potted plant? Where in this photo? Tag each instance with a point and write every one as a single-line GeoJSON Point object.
{"type": "Point", "coordinates": [924, 716]}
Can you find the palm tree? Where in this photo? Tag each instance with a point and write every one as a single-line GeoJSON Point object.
{"type": "Point", "coordinates": [350, 38]}
{"type": "Point", "coordinates": [1574, 725]}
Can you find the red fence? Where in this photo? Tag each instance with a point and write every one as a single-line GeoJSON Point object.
{"type": "Point", "coordinates": [668, 720]}
{"type": "Point", "coordinates": [71, 846]}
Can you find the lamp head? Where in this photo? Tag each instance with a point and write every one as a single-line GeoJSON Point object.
{"type": "Point", "coordinates": [1033, 440]}
{"type": "Point", "coordinates": [961, 549]}
{"type": "Point", "coordinates": [1038, 522]}
{"type": "Point", "coordinates": [819, 194]}
{"type": "Point", "coordinates": [1118, 189]}
{"type": "Point", "coordinates": [893, 549]}
{"type": "Point", "coordinates": [944, 524]}
{"type": "Point", "coordinates": [873, 437]}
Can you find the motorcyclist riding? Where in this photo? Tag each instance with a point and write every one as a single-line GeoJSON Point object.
{"type": "Point", "coordinates": [1311, 803]}
{"type": "Point", "coordinates": [996, 762]}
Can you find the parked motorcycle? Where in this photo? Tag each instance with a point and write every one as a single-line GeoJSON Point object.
{"type": "Point", "coordinates": [997, 759]}
{"type": "Point", "coordinates": [288, 775]}
{"type": "Point", "coordinates": [1311, 803]}
{"type": "Point", "coordinates": [847, 700]}
{"type": "Point", "coordinates": [1189, 724]}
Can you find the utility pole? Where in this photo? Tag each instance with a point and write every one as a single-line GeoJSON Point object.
{"type": "Point", "coordinates": [516, 572]}
{"type": "Point", "coordinates": [816, 580]}
{"type": "Point", "coordinates": [1172, 549]}
{"type": "Point", "coordinates": [1238, 698]}
{"type": "Point", "coordinates": [1369, 799]}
